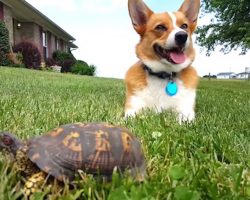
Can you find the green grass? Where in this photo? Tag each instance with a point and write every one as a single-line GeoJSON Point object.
{"type": "Point", "coordinates": [209, 159]}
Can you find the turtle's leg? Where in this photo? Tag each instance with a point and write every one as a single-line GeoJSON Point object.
{"type": "Point", "coordinates": [34, 183]}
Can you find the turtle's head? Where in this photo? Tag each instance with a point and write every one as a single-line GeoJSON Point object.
{"type": "Point", "coordinates": [9, 142]}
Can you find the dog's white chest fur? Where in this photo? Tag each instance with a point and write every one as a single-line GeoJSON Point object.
{"type": "Point", "coordinates": [153, 96]}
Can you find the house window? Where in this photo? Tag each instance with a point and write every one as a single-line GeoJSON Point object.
{"type": "Point", "coordinates": [57, 44]}
{"type": "Point", "coordinates": [45, 45]}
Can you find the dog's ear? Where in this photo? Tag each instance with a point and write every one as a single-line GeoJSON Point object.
{"type": "Point", "coordinates": [139, 14]}
{"type": "Point", "coordinates": [191, 10]}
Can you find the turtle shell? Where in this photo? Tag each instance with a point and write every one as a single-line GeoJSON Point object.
{"type": "Point", "coordinates": [92, 147]}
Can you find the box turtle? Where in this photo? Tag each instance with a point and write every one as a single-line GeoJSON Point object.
{"type": "Point", "coordinates": [95, 148]}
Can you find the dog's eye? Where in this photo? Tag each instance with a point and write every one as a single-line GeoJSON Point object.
{"type": "Point", "coordinates": [184, 26]}
{"type": "Point", "coordinates": [161, 28]}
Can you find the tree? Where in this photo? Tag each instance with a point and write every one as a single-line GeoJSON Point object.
{"type": "Point", "coordinates": [229, 28]}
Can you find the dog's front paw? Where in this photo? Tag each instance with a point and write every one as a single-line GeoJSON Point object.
{"type": "Point", "coordinates": [130, 113]}
{"type": "Point", "coordinates": [133, 106]}
{"type": "Point", "coordinates": [186, 117]}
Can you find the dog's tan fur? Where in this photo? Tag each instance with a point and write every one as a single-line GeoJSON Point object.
{"type": "Point", "coordinates": [144, 21]}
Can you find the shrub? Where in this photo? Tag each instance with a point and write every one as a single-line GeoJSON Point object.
{"type": "Point", "coordinates": [64, 59]}
{"type": "Point", "coordinates": [50, 62]}
{"type": "Point", "coordinates": [4, 61]}
{"type": "Point", "coordinates": [92, 70]}
{"type": "Point", "coordinates": [4, 38]}
{"type": "Point", "coordinates": [67, 65]}
{"type": "Point", "coordinates": [15, 58]}
{"type": "Point", "coordinates": [18, 65]}
{"type": "Point", "coordinates": [210, 76]}
{"type": "Point", "coordinates": [82, 68]}
{"type": "Point", "coordinates": [4, 45]}
{"type": "Point", "coordinates": [31, 54]}
{"type": "Point", "coordinates": [19, 57]}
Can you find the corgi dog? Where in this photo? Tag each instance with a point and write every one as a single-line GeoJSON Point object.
{"type": "Point", "coordinates": [163, 78]}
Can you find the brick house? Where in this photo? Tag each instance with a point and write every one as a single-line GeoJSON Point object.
{"type": "Point", "coordinates": [26, 23]}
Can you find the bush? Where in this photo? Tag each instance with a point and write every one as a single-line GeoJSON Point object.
{"type": "Point", "coordinates": [82, 68]}
{"type": "Point", "coordinates": [92, 70]}
{"type": "Point", "coordinates": [31, 54]}
{"type": "Point", "coordinates": [4, 61]}
{"type": "Point", "coordinates": [210, 76]}
{"type": "Point", "coordinates": [64, 59]}
{"type": "Point", "coordinates": [18, 65]}
{"type": "Point", "coordinates": [15, 58]}
{"type": "Point", "coordinates": [4, 38]}
{"type": "Point", "coordinates": [4, 45]}
{"type": "Point", "coordinates": [50, 62]}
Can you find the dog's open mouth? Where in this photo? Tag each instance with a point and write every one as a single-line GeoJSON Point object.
{"type": "Point", "coordinates": [174, 55]}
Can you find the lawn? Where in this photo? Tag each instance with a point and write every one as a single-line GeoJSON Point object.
{"type": "Point", "coordinates": [208, 159]}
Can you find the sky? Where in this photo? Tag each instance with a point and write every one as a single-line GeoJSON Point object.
{"type": "Point", "coordinates": [106, 38]}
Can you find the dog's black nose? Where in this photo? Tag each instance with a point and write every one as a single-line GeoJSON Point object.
{"type": "Point", "coordinates": [181, 38]}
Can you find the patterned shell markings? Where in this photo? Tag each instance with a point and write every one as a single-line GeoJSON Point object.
{"type": "Point", "coordinates": [94, 148]}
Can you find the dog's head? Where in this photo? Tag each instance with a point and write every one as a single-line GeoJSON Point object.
{"type": "Point", "coordinates": [166, 43]}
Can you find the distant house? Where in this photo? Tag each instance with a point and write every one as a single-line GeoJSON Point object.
{"type": "Point", "coordinates": [243, 75]}
{"type": "Point", "coordinates": [26, 23]}
{"type": "Point", "coordinates": [226, 75]}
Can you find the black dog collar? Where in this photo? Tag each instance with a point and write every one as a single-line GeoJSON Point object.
{"type": "Point", "coordinates": [161, 75]}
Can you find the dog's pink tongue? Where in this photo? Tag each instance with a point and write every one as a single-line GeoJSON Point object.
{"type": "Point", "coordinates": [178, 57]}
